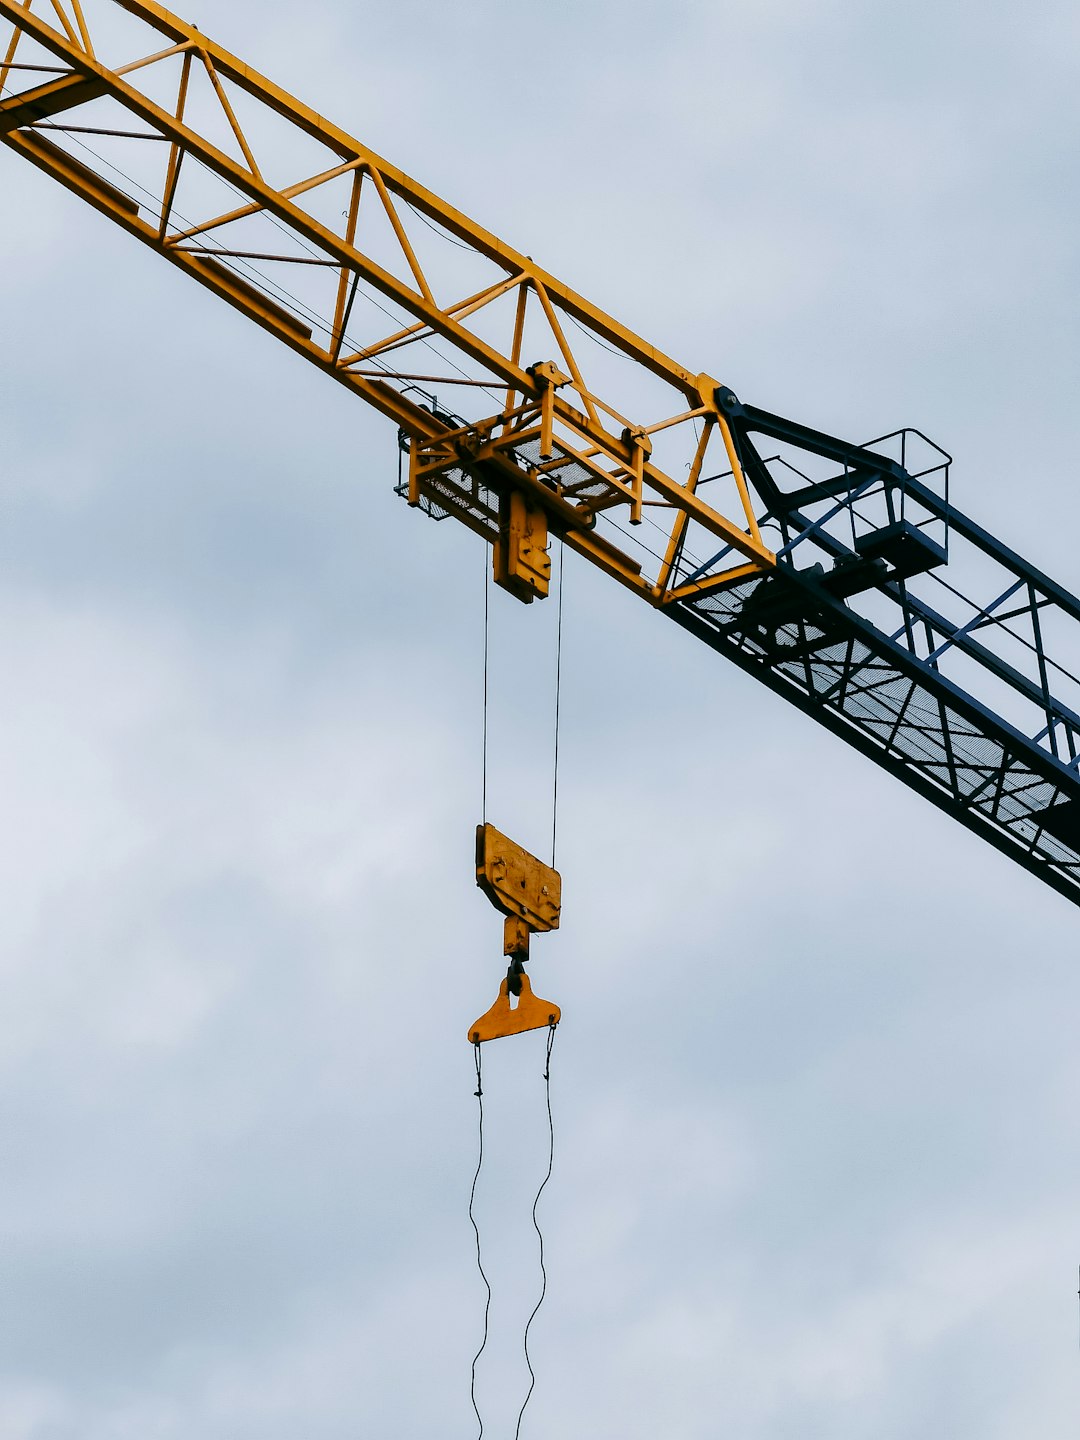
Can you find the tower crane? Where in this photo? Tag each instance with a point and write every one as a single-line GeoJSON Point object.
{"type": "Point", "coordinates": [840, 575]}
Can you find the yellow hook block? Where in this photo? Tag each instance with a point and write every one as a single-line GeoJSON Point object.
{"type": "Point", "coordinates": [530, 1013]}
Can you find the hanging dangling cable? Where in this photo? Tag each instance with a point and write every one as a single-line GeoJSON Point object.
{"type": "Point", "coordinates": [536, 1226]}
{"type": "Point", "coordinates": [476, 1229]}
{"type": "Point", "coordinates": [558, 697]}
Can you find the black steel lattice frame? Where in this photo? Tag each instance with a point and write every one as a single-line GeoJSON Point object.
{"type": "Point", "coordinates": [876, 691]}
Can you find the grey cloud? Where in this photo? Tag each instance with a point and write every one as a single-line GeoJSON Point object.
{"type": "Point", "coordinates": [814, 1162]}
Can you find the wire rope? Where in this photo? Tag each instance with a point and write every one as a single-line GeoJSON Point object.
{"type": "Point", "coordinates": [592, 335]}
{"type": "Point", "coordinates": [476, 1230]}
{"type": "Point", "coordinates": [539, 1232]}
{"type": "Point", "coordinates": [439, 230]}
{"type": "Point", "coordinates": [558, 700]}
{"type": "Point", "coordinates": [487, 651]}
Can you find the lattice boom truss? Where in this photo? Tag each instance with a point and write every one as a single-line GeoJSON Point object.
{"type": "Point", "coordinates": [404, 300]}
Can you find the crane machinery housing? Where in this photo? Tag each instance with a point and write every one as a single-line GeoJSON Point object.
{"type": "Point", "coordinates": [840, 575]}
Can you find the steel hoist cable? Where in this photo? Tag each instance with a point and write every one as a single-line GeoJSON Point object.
{"type": "Point", "coordinates": [487, 655]}
{"type": "Point", "coordinates": [479, 1092]}
{"type": "Point", "coordinates": [536, 1227]}
{"type": "Point", "coordinates": [558, 698]}
{"type": "Point", "coordinates": [479, 1256]}
{"type": "Point", "coordinates": [558, 701]}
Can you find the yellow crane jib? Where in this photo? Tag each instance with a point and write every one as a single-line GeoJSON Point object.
{"type": "Point", "coordinates": [529, 894]}
{"type": "Point", "coordinates": [569, 448]}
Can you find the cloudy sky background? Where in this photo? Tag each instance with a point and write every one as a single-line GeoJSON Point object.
{"type": "Point", "coordinates": [815, 1094]}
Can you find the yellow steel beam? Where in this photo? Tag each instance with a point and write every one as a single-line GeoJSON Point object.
{"type": "Point", "coordinates": [47, 100]}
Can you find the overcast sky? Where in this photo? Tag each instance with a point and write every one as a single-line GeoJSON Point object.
{"type": "Point", "coordinates": [816, 1162]}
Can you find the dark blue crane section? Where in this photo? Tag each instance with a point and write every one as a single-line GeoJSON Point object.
{"type": "Point", "coordinates": [908, 630]}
